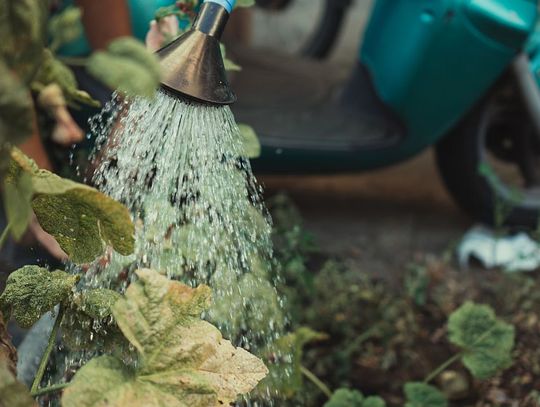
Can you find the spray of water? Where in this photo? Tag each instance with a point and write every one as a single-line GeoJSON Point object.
{"type": "Point", "coordinates": [199, 216]}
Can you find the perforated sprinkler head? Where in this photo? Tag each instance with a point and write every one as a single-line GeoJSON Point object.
{"type": "Point", "coordinates": [192, 65]}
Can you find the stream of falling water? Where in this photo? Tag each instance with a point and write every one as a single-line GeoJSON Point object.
{"type": "Point", "coordinates": [198, 210]}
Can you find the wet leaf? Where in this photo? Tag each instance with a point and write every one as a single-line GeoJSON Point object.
{"type": "Point", "coordinates": [88, 323]}
{"type": "Point", "coordinates": [126, 65]}
{"type": "Point", "coordinates": [424, 395]}
{"type": "Point", "coordinates": [31, 291]}
{"type": "Point", "coordinates": [17, 204]}
{"type": "Point", "coordinates": [12, 392]}
{"type": "Point", "coordinates": [487, 341]}
{"type": "Point", "coordinates": [183, 361]}
{"type": "Point", "coordinates": [286, 373]}
{"type": "Point", "coordinates": [250, 141]}
{"type": "Point", "coordinates": [82, 219]}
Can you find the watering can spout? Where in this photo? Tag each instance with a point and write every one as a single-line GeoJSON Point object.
{"type": "Point", "coordinates": [192, 65]}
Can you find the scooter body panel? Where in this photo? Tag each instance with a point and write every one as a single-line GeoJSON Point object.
{"type": "Point", "coordinates": [431, 61]}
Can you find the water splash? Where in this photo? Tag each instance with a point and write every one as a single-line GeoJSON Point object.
{"type": "Point", "coordinates": [198, 210]}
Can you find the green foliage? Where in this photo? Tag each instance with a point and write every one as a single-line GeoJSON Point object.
{"type": "Point", "coordinates": [32, 291]}
{"type": "Point", "coordinates": [424, 395]}
{"type": "Point", "coordinates": [416, 284]}
{"type": "Point", "coordinates": [182, 360]}
{"type": "Point", "coordinates": [21, 28]}
{"type": "Point", "coordinates": [245, 3]}
{"type": "Point", "coordinates": [17, 204]}
{"type": "Point", "coordinates": [88, 323]}
{"type": "Point", "coordinates": [487, 342]}
{"type": "Point", "coordinates": [126, 65]}
{"type": "Point", "coordinates": [16, 117]}
{"type": "Point", "coordinates": [54, 71]}
{"type": "Point", "coordinates": [65, 27]}
{"type": "Point", "coordinates": [286, 377]}
{"type": "Point", "coordinates": [12, 392]}
{"type": "Point", "coordinates": [80, 217]}
{"type": "Point", "coordinates": [250, 141]}
{"type": "Point", "coordinates": [353, 398]}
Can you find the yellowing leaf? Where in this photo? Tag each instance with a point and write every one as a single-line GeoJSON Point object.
{"type": "Point", "coordinates": [127, 66]}
{"type": "Point", "coordinates": [32, 291]}
{"type": "Point", "coordinates": [183, 361]}
{"type": "Point", "coordinates": [487, 342]}
{"type": "Point", "coordinates": [17, 201]}
{"type": "Point", "coordinates": [81, 218]}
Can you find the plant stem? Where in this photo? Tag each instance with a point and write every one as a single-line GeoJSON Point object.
{"type": "Point", "coordinates": [47, 353]}
{"type": "Point", "coordinates": [50, 389]}
{"type": "Point", "coordinates": [4, 235]}
{"type": "Point", "coordinates": [316, 381]}
{"type": "Point", "coordinates": [443, 367]}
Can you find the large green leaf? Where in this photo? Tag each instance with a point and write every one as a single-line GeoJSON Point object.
{"type": "Point", "coordinates": [81, 218]}
{"type": "Point", "coordinates": [487, 341]}
{"type": "Point", "coordinates": [126, 65]}
{"type": "Point", "coordinates": [353, 398]}
{"type": "Point", "coordinates": [183, 361]}
{"type": "Point", "coordinates": [424, 395]}
{"type": "Point", "coordinates": [17, 204]}
{"type": "Point", "coordinates": [32, 291]}
{"type": "Point", "coordinates": [12, 392]}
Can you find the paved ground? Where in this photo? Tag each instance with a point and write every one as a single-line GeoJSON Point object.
{"type": "Point", "coordinates": [379, 219]}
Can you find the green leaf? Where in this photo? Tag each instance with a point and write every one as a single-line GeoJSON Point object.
{"type": "Point", "coordinates": [424, 395]}
{"type": "Point", "coordinates": [126, 65]}
{"type": "Point", "coordinates": [250, 141]}
{"type": "Point", "coordinates": [286, 376]}
{"type": "Point", "coordinates": [88, 322]}
{"type": "Point", "coordinates": [16, 109]}
{"type": "Point", "coordinates": [12, 392]}
{"type": "Point", "coordinates": [80, 218]}
{"type": "Point", "coordinates": [17, 203]}
{"type": "Point", "coordinates": [32, 291]}
{"type": "Point", "coordinates": [183, 361]}
{"type": "Point", "coordinates": [21, 28]}
{"type": "Point", "coordinates": [65, 27]}
{"type": "Point", "coordinates": [487, 341]}
{"type": "Point", "coordinates": [52, 70]}
{"type": "Point", "coordinates": [345, 398]}
{"type": "Point", "coordinates": [353, 398]}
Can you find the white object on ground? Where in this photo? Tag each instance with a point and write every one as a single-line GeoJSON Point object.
{"type": "Point", "coordinates": [513, 253]}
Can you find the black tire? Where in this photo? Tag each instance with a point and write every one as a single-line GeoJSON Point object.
{"type": "Point", "coordinates": [327, 29]}
{"type": "Point", "coordinates": [462, 153]}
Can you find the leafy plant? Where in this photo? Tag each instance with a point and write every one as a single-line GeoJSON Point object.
{"type": "Point", "coordinates": [424, 395]}
{"type": "Point", "coordinates": [353, 398]}
{"type": "Point", "coordinates": [182, 360]}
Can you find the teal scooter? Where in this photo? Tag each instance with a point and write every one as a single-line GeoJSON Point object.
{"type": "Point", "coordinates": [462, 75]}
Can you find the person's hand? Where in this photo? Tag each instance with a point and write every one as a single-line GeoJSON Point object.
{"type": "Point", "coordinates": [162, 32]}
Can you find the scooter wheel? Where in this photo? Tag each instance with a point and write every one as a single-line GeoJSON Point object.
{"type": "Point", "coordinates": [490, 162]}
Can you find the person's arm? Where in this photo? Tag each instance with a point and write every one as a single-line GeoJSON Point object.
{"type": "Point", "coordinates": [105, 20]}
